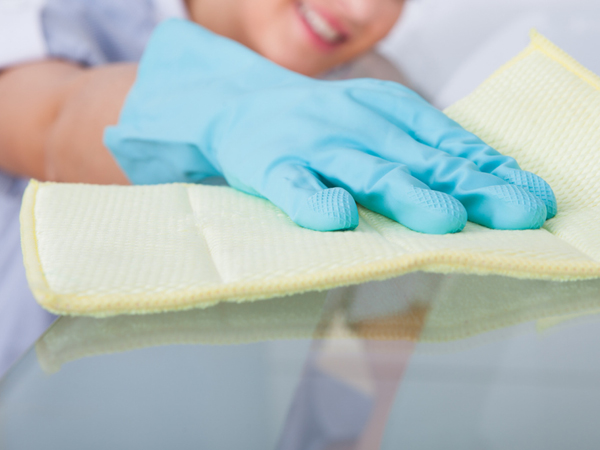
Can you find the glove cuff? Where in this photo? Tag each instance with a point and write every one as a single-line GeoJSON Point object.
{"type": "Point", "coordinates": [147, 161]}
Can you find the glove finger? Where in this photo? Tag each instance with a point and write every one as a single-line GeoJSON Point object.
{"type": "Point", "coordinates": [389, 189]}
{"type": "Point", "coordinates": [432, 127]}
{"type": "Point", "coordinates": [457, 141]}
{"type": "Point", "coordinates": [489, 200]}
{"type": "Point", "coordinates": [302, 196]}
{"type": "Point", "coordinates": [531, 183]}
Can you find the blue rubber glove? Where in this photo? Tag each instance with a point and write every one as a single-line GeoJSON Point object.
{"type": "Point", "coordinates": [204, 105]}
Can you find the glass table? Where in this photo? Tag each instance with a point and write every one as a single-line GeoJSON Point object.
{"type": "Point", "coordinates": [424, 361]}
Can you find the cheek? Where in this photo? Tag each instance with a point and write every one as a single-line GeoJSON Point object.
{"type": "Point", "coordinates": [276, 33]}
{"type": "Point", "coordinates": [261, 19]}
{"type": "Point", "coordinates": [369, 35]}
{"type": "Point", "coordinates": [382, 23]}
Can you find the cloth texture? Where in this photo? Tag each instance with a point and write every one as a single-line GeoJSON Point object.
{"type": "Point", "coordinates": [109, 250]}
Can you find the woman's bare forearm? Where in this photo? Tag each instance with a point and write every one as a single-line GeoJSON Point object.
{"type": "Point", "coordinates": [53, 115]}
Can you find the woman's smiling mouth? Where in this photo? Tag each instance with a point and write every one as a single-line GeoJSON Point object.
{"type": "Point", "coordinates": [322, 29]}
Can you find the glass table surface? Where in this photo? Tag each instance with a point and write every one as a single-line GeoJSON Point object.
{"type": "Point", "coordinates": [423, 361]}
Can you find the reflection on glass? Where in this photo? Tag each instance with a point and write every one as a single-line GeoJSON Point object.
{"type": "Point", "coordinates": [318, 371]}
{"type": "Point", "coordinates": [345, 395]}
{"type": "Point", "coordinates": [420, 307]}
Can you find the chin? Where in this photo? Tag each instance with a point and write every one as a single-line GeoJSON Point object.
{"type": "Point", "coordinates": [309, 71]}
{"type": "Point", "coordinates": [296, 62]}
{"type": "Point", "coordinates": [302, 61]}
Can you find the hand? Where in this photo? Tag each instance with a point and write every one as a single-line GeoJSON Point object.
{"type": "Point", "coordinates": [204, 105]}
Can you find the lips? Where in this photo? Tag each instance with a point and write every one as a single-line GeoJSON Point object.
{"type": "Point", "coordinates": [322, 28]}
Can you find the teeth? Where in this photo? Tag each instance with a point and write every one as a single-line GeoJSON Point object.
{"type": "Point", "coordinates": [319, 24]}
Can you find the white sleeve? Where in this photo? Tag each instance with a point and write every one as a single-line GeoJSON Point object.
{"type": "Point", "coordinates": [166, 9]}
{"type": "Point", "coordinates": [21, 36]}
{"type": "Point", "coordinates": [89, 32]}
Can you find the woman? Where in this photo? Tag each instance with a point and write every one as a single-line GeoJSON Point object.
{"type": "Point", "coordinates": [314, 148]}
{"type": "Point", "coordinates": [310, 146]}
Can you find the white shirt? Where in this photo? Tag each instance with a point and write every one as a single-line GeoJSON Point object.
{"type": "Point", "coordinates": [86, 31]}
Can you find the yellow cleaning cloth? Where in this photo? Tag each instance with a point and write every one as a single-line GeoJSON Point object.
{"type": "Point", "coordinates": [98, 250]}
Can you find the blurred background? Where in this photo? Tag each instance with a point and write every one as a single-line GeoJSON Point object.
{"type": "Point", "coordinates": [446, 48]}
